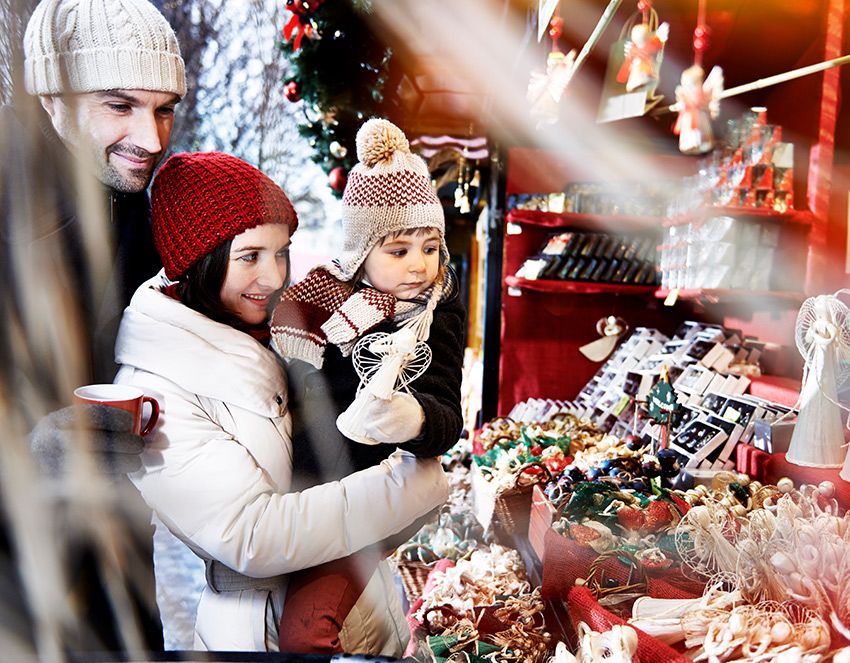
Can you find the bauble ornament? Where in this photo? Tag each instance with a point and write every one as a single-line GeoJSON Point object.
{"type": "Point", "coordinates": [292, 91]}
{"type": "Point", "coordinates": [337, 178]}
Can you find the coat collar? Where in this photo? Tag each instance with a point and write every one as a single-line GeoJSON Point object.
{"type": "Point", "coordinates": [160, 335]}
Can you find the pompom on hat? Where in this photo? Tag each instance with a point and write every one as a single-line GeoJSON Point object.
{"type": "Point", "coordinates": [200, 200]}
{"type": "Point", "coordinates": [96, 45]}
{"type": "Point", "coordinates": [387, 191]}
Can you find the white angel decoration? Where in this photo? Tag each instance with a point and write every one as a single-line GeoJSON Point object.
{"type": "Point", "coordinates": [823, 339]}
{"type": "Point", "coordinates": [385, 364]}
{"type": "Point", "coordinates": [697, 102]}
{"type": "Point", "coordinates": [618, 645]}
{"type": "Point", "coordinates": [546, 89]}
{"type": "Point", "coordinates": [642, 59]}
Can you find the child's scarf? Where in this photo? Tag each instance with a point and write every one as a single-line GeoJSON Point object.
{"type": "Point", "coordinates": [322, 309]}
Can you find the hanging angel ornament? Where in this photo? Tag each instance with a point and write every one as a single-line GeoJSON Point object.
{"type": "Point", "coordinates": [641, 51]}
{"type": "Point", "coordinates": [386, 364]}
{"type": "Point", "coordinates": [697, 102]}
{"type": "Point", "coordinates": [611, 329]}
{"type": "Point", "coordinates": [546, 89]}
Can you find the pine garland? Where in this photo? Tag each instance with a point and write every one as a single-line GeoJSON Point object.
{"type": "Point", "coordinates": [345, 75]}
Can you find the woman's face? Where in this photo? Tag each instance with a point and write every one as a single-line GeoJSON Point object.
{"type": "Point", "coordinates": [257, 269]}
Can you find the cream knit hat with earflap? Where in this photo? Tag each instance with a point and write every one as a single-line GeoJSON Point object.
{"type": "Point", "coordinates": [95, 45]}
{"type": "Point", "coordinates": [387, 191]}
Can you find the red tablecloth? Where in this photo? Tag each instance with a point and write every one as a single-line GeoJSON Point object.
{"type": "Point", "coordinates": [583, 607]}
{"type": "Point", "coordinates": [769, 468]}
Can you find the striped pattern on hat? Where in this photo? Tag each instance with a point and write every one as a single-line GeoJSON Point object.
{"type": "Point", "coordinates": [95, 45]}
{"type": "Point", "coordinates": [389, 190]}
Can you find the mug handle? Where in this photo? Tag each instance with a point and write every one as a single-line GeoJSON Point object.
{"type": "Point", "coordinates": [154, 415]}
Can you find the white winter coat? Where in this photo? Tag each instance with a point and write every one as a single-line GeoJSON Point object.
{"type": "Point", "coordinates": [217, 468]}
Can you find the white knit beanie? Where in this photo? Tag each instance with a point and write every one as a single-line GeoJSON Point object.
{"type": "Point", "coordinates": [96, 45]}
{"type": "Point", "coordinates": [387, 191]}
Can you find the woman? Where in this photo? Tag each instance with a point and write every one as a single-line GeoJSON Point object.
{"type": "Point", "coordinates": [217, 468]}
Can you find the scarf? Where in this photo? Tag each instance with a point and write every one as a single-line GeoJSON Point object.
{"type": "Point", "coordinates": [322, 309]}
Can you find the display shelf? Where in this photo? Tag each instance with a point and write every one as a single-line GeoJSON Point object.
{"type": "Point", "coordinates": [589, 222]}
{"type": "Point", "coordinates": [555, 287]}
{"type": "Point", "coordinates": [716, 295]}
{"type": "Point", "coordinates": [799, 218]}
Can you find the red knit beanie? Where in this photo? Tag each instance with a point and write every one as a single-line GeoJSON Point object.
{"type": "Point", "coordinates": [200, 200]}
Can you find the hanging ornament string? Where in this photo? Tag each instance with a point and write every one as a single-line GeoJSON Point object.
{"type": "Point", "coordinates": [700, 34]}
{"type": "Point", "coordinates": [556, 29]}
{"type": "Point", "coordinates": [645, 7]}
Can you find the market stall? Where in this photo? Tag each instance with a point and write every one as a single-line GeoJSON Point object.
{"type": "Point", "coordinates": [657, 471]}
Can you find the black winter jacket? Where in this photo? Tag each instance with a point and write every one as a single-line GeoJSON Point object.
{"type": "Point", "coordinates": [37, 162]}
{"type": "Point", "coordinates": [39, 204]}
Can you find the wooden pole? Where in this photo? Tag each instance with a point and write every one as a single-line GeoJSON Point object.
{"type": "Point", "coordinates": [604, 22]}
{"type": "Point", "coordinates": [772, 80]}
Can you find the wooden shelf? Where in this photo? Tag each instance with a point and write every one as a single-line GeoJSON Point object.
{"type": "Point", "coordinates": [715, 295]}
{"type": "Point", "coordinates": [801, 218]}
{"type": "Point", "coordinates": [590, 222]}
{"type": "Point", "coordinates": [557, 287]}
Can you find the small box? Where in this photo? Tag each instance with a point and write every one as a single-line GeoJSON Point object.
{"type": "Point", "coordinates": [694, 380]}
{"type": "Point", "coordinates": [699, 441]}
{"type": "Point", "coordinates": [773, 437]}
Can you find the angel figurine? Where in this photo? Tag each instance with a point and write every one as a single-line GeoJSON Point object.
{"type": "Point", "coordinates": [641, 63]}
{"type": "Point", "coordinates": [386, 364]}
{"type": "Point", "coordinates": [619, 645]}
{"type": "Point", "coordinates": [545, 89]}
{"type": "Point", "coordinates": [697, 102]}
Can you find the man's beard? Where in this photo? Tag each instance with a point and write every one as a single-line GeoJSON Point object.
{"type": "Point", "coordinates": [130, 180]}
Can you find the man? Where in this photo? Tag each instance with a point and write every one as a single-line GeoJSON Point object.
{"type": "Point", "coordinates": [75, 242]}
{"type": "Point", "coordinates": [108, 73]}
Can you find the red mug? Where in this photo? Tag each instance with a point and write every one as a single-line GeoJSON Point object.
{"type": "Point", "coordinates": [124, 397]}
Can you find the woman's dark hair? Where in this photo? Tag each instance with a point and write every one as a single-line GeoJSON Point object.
{"type": "Point", "coordinates": [200, 287]}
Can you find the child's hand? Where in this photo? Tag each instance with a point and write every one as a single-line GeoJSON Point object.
{"type": "Point", "coordinates": [394, 421]}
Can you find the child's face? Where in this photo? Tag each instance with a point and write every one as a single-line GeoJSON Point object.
{"type": "Point", "coordinates": [256, 271]}
{"type": "Point", "coordinates": [405, 265]}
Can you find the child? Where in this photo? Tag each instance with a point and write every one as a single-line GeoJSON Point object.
{"type": "Point", "coordinates": [217, 466]}
{"type": "Point", "coordinates": [393, 272]}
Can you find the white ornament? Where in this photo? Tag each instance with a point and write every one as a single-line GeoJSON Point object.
{"type": "Point", "coordinates": [385, 364]}
{"type": "Point", "coordinates": [823, 338]}
{"type": "Point", "coordinates": [338, 150]}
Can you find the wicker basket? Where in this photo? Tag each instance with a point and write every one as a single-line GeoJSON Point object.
{"type": "Point", "coordinates": [415, 572]}
{"type": "Point", "coordinates": [513, 505]}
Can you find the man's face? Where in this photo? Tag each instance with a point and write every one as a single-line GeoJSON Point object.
{"type": "Point", "coordinates": [123, 133]}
